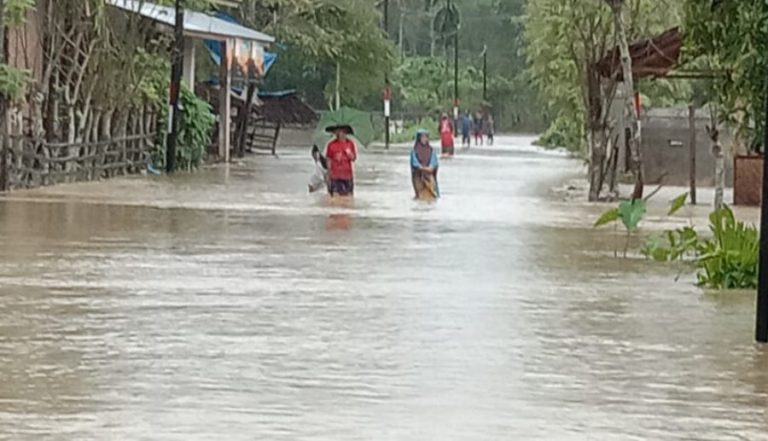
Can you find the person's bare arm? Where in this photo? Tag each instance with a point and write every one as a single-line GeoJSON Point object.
{"type": "Point", "coordinates": [352, 152]}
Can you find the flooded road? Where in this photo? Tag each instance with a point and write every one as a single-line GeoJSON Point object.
{"type": "Point", "coordinates": [231, 305]}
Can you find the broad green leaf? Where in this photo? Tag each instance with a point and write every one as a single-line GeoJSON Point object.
{"type": "Point", "coordinates": [607, 217]}
{"type": "Point", "coordinates": [677, 203]}
{"type": "Point", "coordinates": [631, 213]}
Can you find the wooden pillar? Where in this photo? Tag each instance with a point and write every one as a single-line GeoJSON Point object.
{"type": "Point", "coordinates": [692, 151]}
{"type": "Point", "coordinates": [5, 131]}
{"type": "Point", "coordinates": [275, 139]}
{"type": "Point", "coordinates": [189, 63]}
{"type": "Point", "coordinates": [618, 111]}
{"type": "Point", "coordinates": [225, 101]}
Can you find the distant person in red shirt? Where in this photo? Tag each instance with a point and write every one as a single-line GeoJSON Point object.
{"type": "Point", "coordinates": [341, 153]}
{"type": "Point", "coordinates": [446, 135]}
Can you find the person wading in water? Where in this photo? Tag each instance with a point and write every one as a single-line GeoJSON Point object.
{"type": "Point", "coordinates": [446, 135]}
{"type": "Point", "coordinates": [341, 154]}
{"type": "Point", "coordinates": [466, 130]}
{"type": "Point", "coordinates": [478, 126]}
{"type": "Point", "coordinates": [424, 165]}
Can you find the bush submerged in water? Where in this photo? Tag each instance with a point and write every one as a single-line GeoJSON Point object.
{"type": "Point", "coordinates": [563, 132]}
{"type": "Point", "coordinates": [727, 260]}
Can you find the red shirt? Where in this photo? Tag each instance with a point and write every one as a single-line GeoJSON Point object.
{"type": "Point", "coordinates": [341, 155]}
{"type": "Point", "coordinates": [446, 126]}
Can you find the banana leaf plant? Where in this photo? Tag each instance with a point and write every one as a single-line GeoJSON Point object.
{"type": "Point", "coordinates": [631, 212]}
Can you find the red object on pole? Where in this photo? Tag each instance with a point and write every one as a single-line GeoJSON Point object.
{"type": "Point", "coordinates": [638, 104]}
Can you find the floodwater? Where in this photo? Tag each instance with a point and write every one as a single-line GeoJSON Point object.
{"type": "Point", "coordinates": [231, 305]}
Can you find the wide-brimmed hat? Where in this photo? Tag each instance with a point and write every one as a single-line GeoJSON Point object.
{"type": "Point", "coordinates": [334, 128]}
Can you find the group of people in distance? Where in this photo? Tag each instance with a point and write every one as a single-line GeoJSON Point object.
{"type": "Point", "coordinates": [334, 170]}
{"type": "Point", "coordinates": [481, 126]}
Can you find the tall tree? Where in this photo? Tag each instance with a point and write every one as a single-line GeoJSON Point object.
{"type": "Point", "coordinates": [338, 39]}
{"type": "Point", "coordinates": [565, 38]}
{"type": "Point", "coordinates": [636, 154]}
{"type": "Point", "coordinates": [734, 39]}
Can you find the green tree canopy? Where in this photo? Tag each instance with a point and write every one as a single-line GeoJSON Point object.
{"type": "Point", "coordinates": [564, 38]}
{"type": "Point", "coordinates": [733, 38]}
{"type": "Point", "coordinates": [315, 35]}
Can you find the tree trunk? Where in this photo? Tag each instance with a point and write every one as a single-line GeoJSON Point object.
{"type": "Point", "coordinates": [243, 118]}
{"type": "Point", "coordinates": [719, 176]}
{"type": "Point", "coordinates": [432, 36]}
{"type": "Point", "coordinates": [2, 32]}
{"type": "Point", "coordinates": [338, 85]}
{"type": "Point", "coordinates": [400, 31]}
{"type": "Point", "coordinates": [717, 152]}
{"type": "Point", "coordinates": [595, 134]}
{"type": "Point", "coordinates": [613, 167]}
{"type": "Point", "coordinates": [617, 6]}
{"type": "Point", "coordinates": [596, 156]}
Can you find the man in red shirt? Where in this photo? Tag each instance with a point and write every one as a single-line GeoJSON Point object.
{"type": "Point", "coordinates": [341, 154]}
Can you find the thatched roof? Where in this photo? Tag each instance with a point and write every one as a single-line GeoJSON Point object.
{"type": "Point", "coordinates": [654, 57]}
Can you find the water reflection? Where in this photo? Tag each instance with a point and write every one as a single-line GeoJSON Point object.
{"type": "Point", "coordinates": [338, 222]}
{"type": "Point", "coordinates": [231, 305]}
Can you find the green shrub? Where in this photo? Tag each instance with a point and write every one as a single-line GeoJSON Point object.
{"type": "Point", "coordinates": [730, 258]}
{"type": "Point", "coordinates": [563, 132]}
{"type": "Point", "coordinates": [13, 82]}
{"type": "Point", "coordinates": [196, 122]}
{"type": "Point", "coordinates": [408, 135]}
{"type": "Point", "coordinates": [726, 260]}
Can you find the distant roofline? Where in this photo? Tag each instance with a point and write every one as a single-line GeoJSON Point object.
{"type": "Point", "coordinates": [196, 24]}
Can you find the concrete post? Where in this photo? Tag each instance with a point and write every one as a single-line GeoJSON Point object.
{"type": "Point", "coordinates": [225, 101]}
{"type": "Point", "coordinates": [189, 63]}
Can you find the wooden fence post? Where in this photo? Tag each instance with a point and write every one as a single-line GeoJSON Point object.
{"type": "Point", "coordinates": [276, 139]}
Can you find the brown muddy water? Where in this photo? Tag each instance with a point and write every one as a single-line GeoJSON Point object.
{"type": "Point", "coordinates": [231, 305]}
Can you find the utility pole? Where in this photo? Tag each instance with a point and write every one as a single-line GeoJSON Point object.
{"type": "Point", "coordinates": [456, 78]}
{"type": "Point", "coordinates": [761, 326]}
{"type": "Point", "coordinates": [177, 60]}
{"type": "Point", "coordinates": [485, 72]}
{"type": "Point", "coordinates": [387, 89]}
{"type": "Point", "coordinates": [4, 178]}
{"type": "Point", "coordinates": [2, 32]}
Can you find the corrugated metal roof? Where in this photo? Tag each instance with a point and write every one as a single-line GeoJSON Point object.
{"type": "Point", "coordinates": [196, 24]}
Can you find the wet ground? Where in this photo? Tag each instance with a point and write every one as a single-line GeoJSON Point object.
{"type": "Point", "coordinates": [231, 305]}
